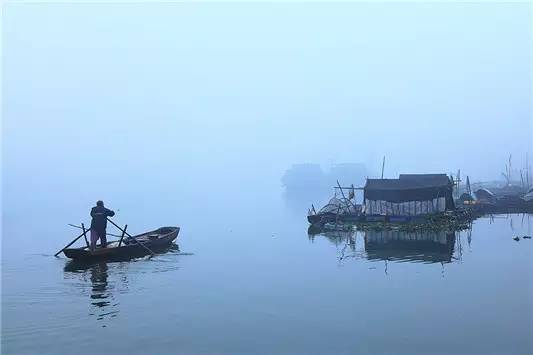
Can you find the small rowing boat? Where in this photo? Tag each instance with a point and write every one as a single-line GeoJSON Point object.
{"type": "Point", "coordinates": [156, 241]}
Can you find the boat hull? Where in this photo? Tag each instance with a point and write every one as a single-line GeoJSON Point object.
{"type": "Point", "coordinates": [130, 249]}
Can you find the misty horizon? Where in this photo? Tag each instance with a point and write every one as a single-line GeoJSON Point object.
{"type": "Point", "coordinates": [433, 88]}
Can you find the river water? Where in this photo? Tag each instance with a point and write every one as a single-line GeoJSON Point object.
{"type": "Point", "coordinates": [245, 277]}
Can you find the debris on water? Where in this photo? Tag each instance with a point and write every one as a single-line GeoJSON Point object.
{"type": "Point", "coordinates": [516, 238]}
{"type": "Point", "coordinates": [451, 221]}
{"type": "Point", "coordinates": [526, 237]}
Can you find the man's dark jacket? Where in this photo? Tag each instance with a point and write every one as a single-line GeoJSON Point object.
{"type": "Point", "coordinates": [99, 215]}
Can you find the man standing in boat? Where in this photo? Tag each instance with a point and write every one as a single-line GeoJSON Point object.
{"type": "Point", "coordinates": [99, 224]}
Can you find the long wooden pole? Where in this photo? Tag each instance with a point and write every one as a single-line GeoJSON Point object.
{"type": "Point", "coordinates": [122, 236]}
{"type": "Point", "coordinates": [527, 170]}
{"type": "Point", "coordinates": [124, 231]}
{"type": "Point", "coordinates": [343, 196]}
{"type": "Point", "coordinates": [383, 167]}
{"type": "Point", "coordinates": [85, 235]}
{"type": "Point", "coordinates": [69, 244]}
{"type": "Point", "coordinates": [342, 192]}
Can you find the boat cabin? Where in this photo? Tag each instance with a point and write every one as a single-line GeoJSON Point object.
{"type": "Point", "coordinates": [409, 195]}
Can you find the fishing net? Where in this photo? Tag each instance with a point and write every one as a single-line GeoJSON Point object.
{"type": "Point", "coordinates": [339, 206]}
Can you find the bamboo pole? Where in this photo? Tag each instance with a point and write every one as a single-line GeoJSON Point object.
{"type": "Point", "coordinates": [342, 192]}
{"type": "Point", "coordinates": [348, 188]}
{"type": "Point", "coordinates": [69, 244]}
{"type": "Point", "coordinates": [122, 236]}
{"type": "Point", "coordinates": [85, 235]}
{"type": "Point", "coordinates": [527, 170]}
{"type": "Point", "coordinates": [124, 231]}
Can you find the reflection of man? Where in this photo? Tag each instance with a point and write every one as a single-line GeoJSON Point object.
{"type": "Point", "coordinates": [99, 224]}
{"type": "Point", "coordinates": [99, 284]}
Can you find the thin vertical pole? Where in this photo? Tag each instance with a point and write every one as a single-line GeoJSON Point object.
{"type": "Point", "coordinates": [527, 170]}
{"type": "Point", "coordinates": [510, 156]}
{"type": "Point", "coordinates": [342, 192]}
{"type": "Point", "coordinates": [122, 236]}
{"type": "Point", "coordinates": [85, 235]}
{"type": "Point", "coordinates": [383, 167]}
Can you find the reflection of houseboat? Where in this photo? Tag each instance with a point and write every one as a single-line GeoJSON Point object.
{"type": "Point", "coordinates": [430, 247]}
{"type": "Point", "coordinates": [335, 237]}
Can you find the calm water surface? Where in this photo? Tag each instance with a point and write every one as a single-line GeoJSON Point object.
{"type": "Point", "coordinates": [246, 278]}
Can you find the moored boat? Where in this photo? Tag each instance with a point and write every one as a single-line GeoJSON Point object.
{"type": "Point", "coordinates": [155, 241]}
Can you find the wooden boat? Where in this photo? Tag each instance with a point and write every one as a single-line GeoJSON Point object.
{"type": "Point", "coordinates": [156, 241]}
{"type": "Point", "coordinates": [322, 218]}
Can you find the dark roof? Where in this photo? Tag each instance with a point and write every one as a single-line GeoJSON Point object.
{"type": "Point", "coordinates": [427, 179]}
{"type": "Point", "coordinates": [408, 182]}
{"type": "Point", "coordinates": [410, 187]}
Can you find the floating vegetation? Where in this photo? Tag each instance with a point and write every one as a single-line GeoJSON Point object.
{"type": "Point", "coordinates": [447, 221]}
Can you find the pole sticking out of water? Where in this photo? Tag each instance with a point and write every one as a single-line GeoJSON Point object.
{"type": "Point", "coordinates": [383, 167]}
{"type": "Point", "coordinates": [527, 171]}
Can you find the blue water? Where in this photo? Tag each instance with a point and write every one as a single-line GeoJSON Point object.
{"type": "Point", "coordinates": [249, 279]}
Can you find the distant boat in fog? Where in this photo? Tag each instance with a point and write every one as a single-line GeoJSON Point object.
{"type": "Point", "coordinates": [303, 176]}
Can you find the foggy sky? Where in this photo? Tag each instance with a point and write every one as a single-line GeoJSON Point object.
{"type": "Point", "coordinates": [233, 91]}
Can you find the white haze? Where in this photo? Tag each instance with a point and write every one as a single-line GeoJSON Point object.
{"type": "Point", "coordinates": [100, 97]}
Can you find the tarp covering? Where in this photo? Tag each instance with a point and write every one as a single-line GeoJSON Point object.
{"type": "Point", "coordinates": [411, 187]}
{"type": "Point", "coordinates": [409, 208]}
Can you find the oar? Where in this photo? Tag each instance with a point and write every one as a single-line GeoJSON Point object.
{"type": "Point", "coordinates": [124, 231]}
{"type": "Point", "coordinates": [69, 244]}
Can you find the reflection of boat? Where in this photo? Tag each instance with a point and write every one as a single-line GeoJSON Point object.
{"type": "Point", "coordinates": [156, 241]}
{"type": "Point", "coordinates": [335, 237]}
{"type": "Point", "coordinates": [103, 282]}
{"type": "Point", "coordinates": [428, 247]}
